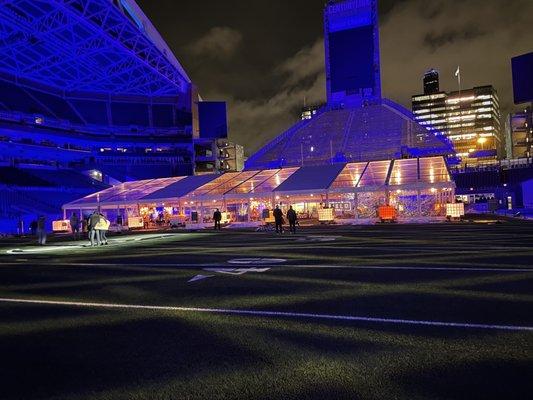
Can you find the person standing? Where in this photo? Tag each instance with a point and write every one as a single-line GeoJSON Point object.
{"type": "Point", "coordinates": [292, 217]}
{"type": "Point", "coordinates": [217, 217]}
{"type": "Point", "coordinates": [41, 230]}
{"type": "Point", "coordinates": [278, 218]}
{"type": "Point", "coordinates": [75, 225]}
{"type": "Point", "coordinates": [102, 228]}
{"type": "Point", "coordinates": [94, 234]}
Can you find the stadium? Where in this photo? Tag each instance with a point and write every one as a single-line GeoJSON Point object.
{"type": "Point", "coordinates": [90, 96]}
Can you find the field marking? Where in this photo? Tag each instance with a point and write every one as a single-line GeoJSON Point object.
{"type": "Point", "coordinates": [256, 261]}
{"type": "Point", "coordinates": [287, 266]}
{"type": "Point", "coordinates": [280, 314]}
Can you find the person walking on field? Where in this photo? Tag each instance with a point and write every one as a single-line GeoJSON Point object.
{"type": "Point", "coordinates": [278, 218]}
{"type": "Point", "coordinates": [75, 225]}
{"type": "Point", "coordinates": [293, 218]}
{"type": "Point", "coordinates": [217, 217]}
{"type": "Point", "coordinates": [94, 234]}
{"type": "Point", "coordinates": [41, 230]}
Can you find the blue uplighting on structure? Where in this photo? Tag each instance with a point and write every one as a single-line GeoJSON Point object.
{"type": "Point", "coordinates": [523, 78]}
{"type": "Point", "coordinates": [89, 92]}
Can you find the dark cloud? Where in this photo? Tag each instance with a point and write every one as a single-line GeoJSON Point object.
{"type": "Point", "coordinates": [276, 57]}
{"type": "Point", "coordinates": [219, 42]}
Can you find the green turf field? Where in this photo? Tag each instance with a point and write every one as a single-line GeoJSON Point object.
{"type": "Point", "coordinates": [363, 312]}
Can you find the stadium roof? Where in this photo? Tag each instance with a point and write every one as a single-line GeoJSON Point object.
{"type": "Point", "coordinates": [378, 131]}
{"type": "Point", "coordinates": [405, 174]}
{"type": "Point", "coordinates": [95, 46]}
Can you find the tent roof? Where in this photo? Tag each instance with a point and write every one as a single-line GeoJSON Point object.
{"type": "Point", "coordinates": [181, 187]}
{"type": "Point", "coordinates": [311, 178]}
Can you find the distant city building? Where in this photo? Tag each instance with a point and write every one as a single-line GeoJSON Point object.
{"type": "Point", "coordinates": [470, 118]}
{"type": "Point", "coordinates": [523, 78]}
{"type": "Point", "coordinates": [431, 82]}
{"type": "Point", "coordinates": [309, 112]}
{"type": "Point", "coordinates": [519, 130]}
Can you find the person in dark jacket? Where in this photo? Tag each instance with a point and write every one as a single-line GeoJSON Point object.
{"type": "Point", "coordinates": [278, 218]}
{"type": "Point", "coordinates": [75, 225]}
{"type": "Point", "coordinates": [94, 234]}
{"type": "Point", "coordinates": [33, 227]}
{"type": "Point", "coordinates": [41, 230]}
{"type": "Point", "coordinates": [217, 217]}
{"type": "Point", "coordinates": [292, 217]}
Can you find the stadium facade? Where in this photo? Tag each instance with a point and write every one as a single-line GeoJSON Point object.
{"type": "Point", "coordinates": [357, 123]}
{"type": "Point", "coordinates": [90, 95]}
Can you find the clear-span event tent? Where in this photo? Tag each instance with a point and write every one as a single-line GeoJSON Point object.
{"type": "Point", "coordinates": [415, 187]}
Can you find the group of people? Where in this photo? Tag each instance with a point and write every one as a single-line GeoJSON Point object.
{"type": "Point", "coordinates": [291, 215]}
{"type": "Point", "coordinates": [97, 227]}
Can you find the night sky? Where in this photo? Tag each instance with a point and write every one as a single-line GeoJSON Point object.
{"type": "Point", "coordinates": [265, 56]}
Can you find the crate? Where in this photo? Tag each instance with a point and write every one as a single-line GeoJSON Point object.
{"type": "Point", "coordinates": [387, 214]}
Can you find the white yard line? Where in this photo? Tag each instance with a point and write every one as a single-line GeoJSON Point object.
{"type": "Point", "coordinates": [278, 266]}
{"type": "Point", "coordinates": [295, 315]}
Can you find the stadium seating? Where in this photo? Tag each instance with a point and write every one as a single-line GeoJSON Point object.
{"type": "Point", "coordinates": [20, 177]}
{"type": "Point", "coordinates": [130, 114]}
{"type": "Point", "coordinates": [93, 112]}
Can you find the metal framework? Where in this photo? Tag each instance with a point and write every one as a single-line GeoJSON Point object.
{"type": "Point", "coordinates": [85, 45]}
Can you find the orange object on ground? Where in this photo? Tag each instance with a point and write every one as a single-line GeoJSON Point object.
{"type": "Point", "coordinates": [387, 213]}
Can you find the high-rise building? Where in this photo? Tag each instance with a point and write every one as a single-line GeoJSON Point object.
{"type": "Point", "coordinates": [431, 82]}
{"type": "Point", "coordinates": [470, 118]}
{"type": "Point", "coordinates": [519, 130]}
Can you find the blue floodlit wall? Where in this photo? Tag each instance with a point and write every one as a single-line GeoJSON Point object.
{"type": "Point", "coordinates": [213, 119]}
{"type": "Point", "coordinates": [352, 51]}
{"type": "Point", "coordinates": [85, 87]}
{"type": "Point", "coordinates": [523, 78]}
{"type": "Point", "coordinates": [351, 71]}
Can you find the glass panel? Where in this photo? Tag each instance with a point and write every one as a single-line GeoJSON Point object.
{"type": "Point", "coordinates": [230, 184]}
{"type": "Point", "coordinates": [405, 202]}
{"type": "Point", "coordinates": [349, 176]}
{"type": "Point", "coordinates": [202, 190]}
{"type": "Point", "coordinates": [368, 203]}
{"type": "Point", "coordinates": [275, 180]}
{"type": "Point", "coordinates": [251, 184]}
{"type": "Point", "coordinates": [433, 170]}
{"type": "Point", "coordinates": [375, 174]}
{"type": "Point", "coordinates": [404, 172]}
{"type": "Point", "coordinates": [148, 187]}
{"type": "Point", "coordinates": [110, 192]}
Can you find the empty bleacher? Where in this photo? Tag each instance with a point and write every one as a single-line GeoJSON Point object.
{"type": "Point", "coordinates": [67, 178]}
{"type": "Point", "coordinates": [94, 112]}
{"type": "Point", "coordinates": [15, 98]}
{"type": "Point", "coordinates": [163, 115]}
{"type": "Point", "coordinates": [19, 177]}
{"type": "Point", "coordinates": [59, 106]}
{"type": "Point", "coordinates": [124, 114]}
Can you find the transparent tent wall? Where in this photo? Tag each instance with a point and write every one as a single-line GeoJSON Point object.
{"type": "Point", "coordinates": [369, 202]}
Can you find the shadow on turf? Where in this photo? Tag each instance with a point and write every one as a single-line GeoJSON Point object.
{"type": "Point", "coordinates": [83, 360]}
{"type": "Point", "coordinates": [481, 380]}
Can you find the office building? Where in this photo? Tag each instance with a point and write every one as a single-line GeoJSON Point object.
{"type": "Point", "coordinates": [519, 130]}
{"type": "Point", "coordinates": [470, 118]}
